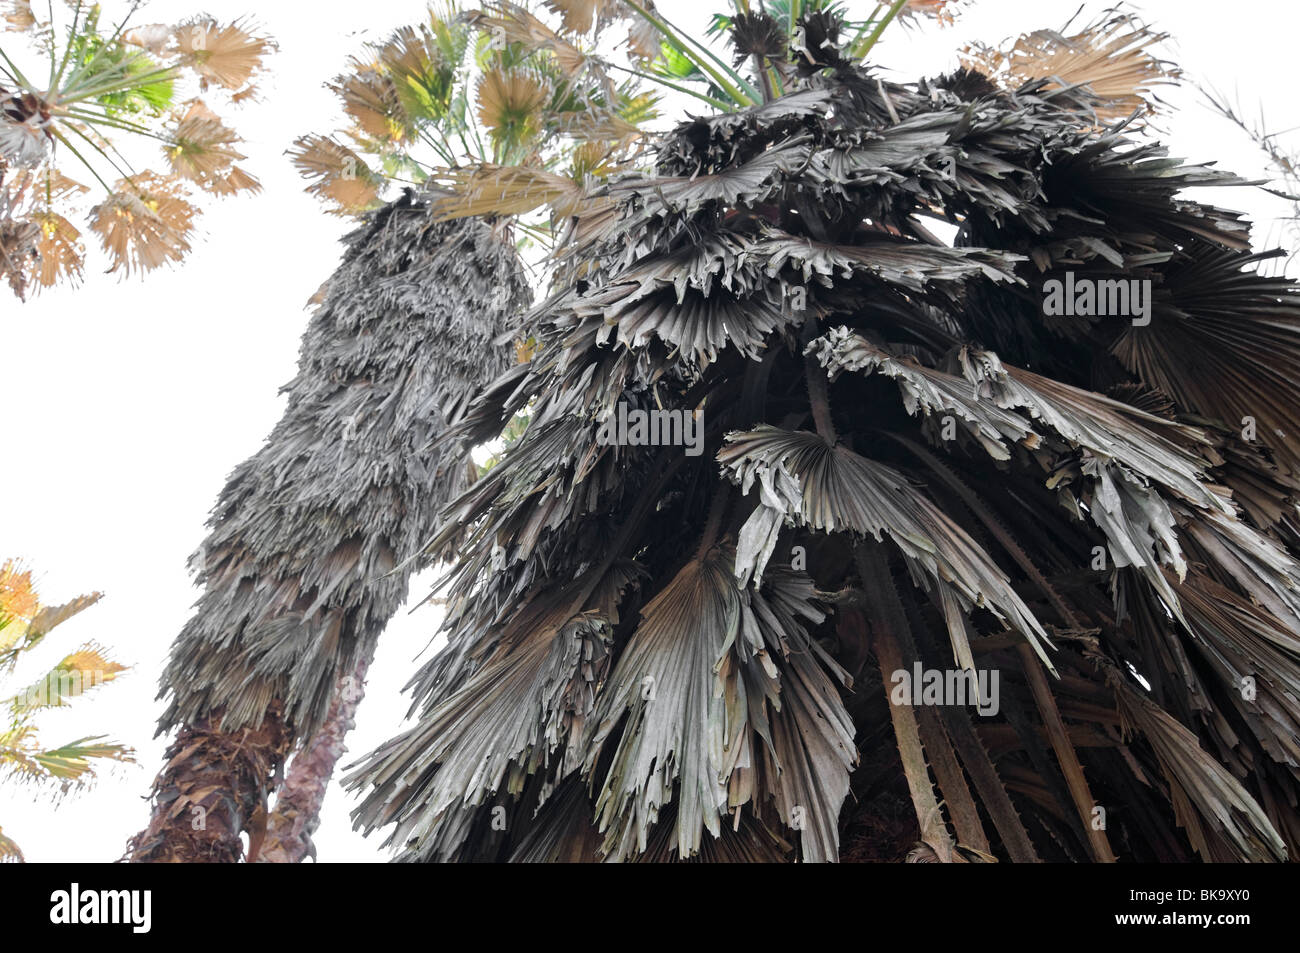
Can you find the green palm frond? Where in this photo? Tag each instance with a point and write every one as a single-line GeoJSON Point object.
{"type": "Point", "coordinates": [24, 759]}
{"type": "Point", "coordinates": [73, 762]}
{"type": "Point", "coordinates": [85, 669]}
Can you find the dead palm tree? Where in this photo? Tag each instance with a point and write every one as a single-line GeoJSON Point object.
{"type": "Point", "coordinates": [907, 465]}
{"type": "Point", "coordinates": [313, 539]}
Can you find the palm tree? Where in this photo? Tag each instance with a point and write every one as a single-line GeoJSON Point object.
{"type": "Point", "coordinates": [314, 539]}
{"type": "Point", "coordinates": [908, 466]}
{"type": "Point", "coordinates": [104, 95]}
{"type": "Point", "coordinates": [24, 757]}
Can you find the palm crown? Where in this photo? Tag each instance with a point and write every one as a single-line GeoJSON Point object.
{"type": "Point", "coordinates": [103, 92]}
{"type": "Point", "coordinates": [492, 104]}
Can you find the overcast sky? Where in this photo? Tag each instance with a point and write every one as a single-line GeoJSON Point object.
{"type": "Point", "coordinates": [128, 402]}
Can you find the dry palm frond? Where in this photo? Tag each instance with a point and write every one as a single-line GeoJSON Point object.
{"type": "Point", "coordinates": [18, 599]}
{"type": "Point", "coordinates": [591, 162]}
{"type": "Point", "coordinates": [18, 238]}
{"type": "Point", "coordinates": [508, 190]}
{"type": "Point", "coordinates": [370, 98]}
{"type": "Point", "coordinates": [1113, 57]}
{"type": "Point", "coordinates": [145, 223]}
{"type": "Point", "coordinates": [338, 174]}
{"type": "Point", "coordinates": [154, 37]}
{"type": "Point", "coordinates": [598, 126]}
{"type": "Point", "coordinates": [406, 53]}
{"type": "Point", "coordinates": [835, 490]}
{"type": "Point", "coordinates": [741, 718]}
{"type": "Point", "coordinates": [233, 181]}
{"type": "Point", "coordinates": [202, 147]}
{"type": "Point", "coordinates": [51, 187]}
{"type": "Point", "coordinates": [942, 11]}
{"type": "Point", "coordinates": [17, 15]}
{"type": "Point", "coordinates": [579, 16]}
{"type": "Point", "coordinates": [644, 41]}
{"type": "Point", "coordinates": [50, 616]}
{"type": "Point", "coordinates": [227, 55]}
{"type": "Point", "coordinates": [1222, 820]}
{"type": "Point", "coordinates": [513, 24]}
{"type": "Point", "coordinates": [510, 103]}
{"type": "Point", "coordinates": [23, 145]}
{"type": "Point", "coordinates": [245, 94]}
{"type": "Point", "coordinates": [60, 253]}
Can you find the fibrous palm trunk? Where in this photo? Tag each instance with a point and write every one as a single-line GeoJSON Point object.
{"type": "Point", "coordinates": [314, 538]}
{"type": "Point", "coordinates": [298, 803]}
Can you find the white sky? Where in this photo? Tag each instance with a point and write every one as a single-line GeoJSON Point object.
{"type": "Point", "coordinates": [130, 401]}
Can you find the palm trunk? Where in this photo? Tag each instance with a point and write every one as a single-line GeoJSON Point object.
{"type": "Point", "coordinates": [314, 539]}
{"type": "Point", "coordinates": [212, 787]}
{"type": "Point", "coordinates": [297, 806]}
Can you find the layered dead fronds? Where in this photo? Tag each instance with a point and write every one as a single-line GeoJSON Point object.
{"type": "Point", "coordinates": [662, 589]}
{"type": "Point", "coordinates": [1114, 57]}
{"type": "Point", "coordinates": [297, 588]}
{"type": "Point", "coordinates": [406, 327]}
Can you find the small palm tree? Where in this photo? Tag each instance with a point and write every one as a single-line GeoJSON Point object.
{"type": "Point", "coordinates": [100, 97]}
{"type": "Point", "coordinates": [24, 758]}
{"type": "Point", "coordinates": [903, 464]}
